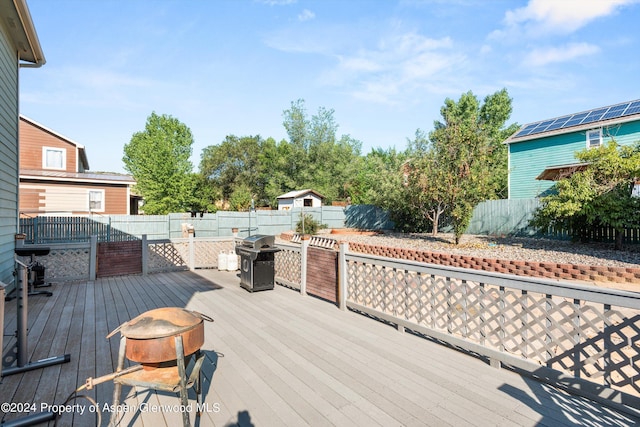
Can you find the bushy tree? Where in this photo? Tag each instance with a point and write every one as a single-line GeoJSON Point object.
{"type": "Point", "coordinates": [158, 159]}
{"type": "Point", "coordinates": [599, 195]}
{"type": "Point", "coordinates": [233, 163]}
{"type": "Point", "coordinates": [461, 163]}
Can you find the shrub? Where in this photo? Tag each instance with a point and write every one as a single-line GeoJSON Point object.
{"type": "Point", "coordinates": [308, 225]}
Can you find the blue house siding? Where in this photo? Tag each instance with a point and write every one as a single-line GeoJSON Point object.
{"type": "Point", "coordinates": [529, 158]}
{"type": "Point", "coordinates": [8, 154]}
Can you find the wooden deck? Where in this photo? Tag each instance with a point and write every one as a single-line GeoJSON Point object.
{"type": "Point", "coordinates": [276, 358]}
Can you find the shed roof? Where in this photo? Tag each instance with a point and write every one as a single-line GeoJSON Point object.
{"type": "Point", "coordinates": [299, 193]}
{"type": "Point", "coordinates": [602, 116]}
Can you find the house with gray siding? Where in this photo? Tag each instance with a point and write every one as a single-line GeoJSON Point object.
{"type": "Point", "coordinates": [19, 47]}
{"type": "Point", "coordinates": [544, 151]}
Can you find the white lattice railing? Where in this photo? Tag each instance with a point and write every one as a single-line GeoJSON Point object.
{"type": "Point", "coordinates": [584, 338]}
{"type": "Point", "coordinates": [288, 266]}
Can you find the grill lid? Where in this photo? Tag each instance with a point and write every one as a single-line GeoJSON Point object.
{"type": "Point", "coordinates": [259, 241]}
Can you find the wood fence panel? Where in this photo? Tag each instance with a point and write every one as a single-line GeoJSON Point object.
{"type": "Point", "coordinates": [322, 273]}
{"type": "Point", "coordinates": [119, 258]}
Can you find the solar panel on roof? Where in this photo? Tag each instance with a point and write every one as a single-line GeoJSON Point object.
{"type": "Point", "coordinates": [527, 129]}
{"type": "Point", "coordinates": [633, 108]}
{"type": "Point", "coordinates": [604, 113]}
{"type": "Point", "coordinates": [558, 123]}
{"type": "Point", "coordinates": [615, 111]}
{"type": "Point", "coordinates": [575, 120]}
{"type": "Point", "coordinates": [542, 126]}
{"type": "Point", "coordinates": [594, 116]}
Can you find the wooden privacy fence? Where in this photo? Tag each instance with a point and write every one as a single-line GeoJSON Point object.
{"type": "Point", "coordinates": [582, 338]}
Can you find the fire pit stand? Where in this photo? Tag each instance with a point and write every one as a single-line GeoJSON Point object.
{"type": "Point", "coordinates": [163, 341]}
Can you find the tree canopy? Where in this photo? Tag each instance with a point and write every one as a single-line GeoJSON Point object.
{"type": "Point", "coordinates": [158, 159]}
{"type": "Point", "coordinates": [313, 157]}
{"type": "Point", "coordinates": [459, 164]}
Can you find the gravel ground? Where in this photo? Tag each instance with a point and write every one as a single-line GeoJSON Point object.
{"type": "Point", "coordinates": [509, 248]}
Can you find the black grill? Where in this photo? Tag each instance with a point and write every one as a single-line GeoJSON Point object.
{"type": "Point", "coordinates": [257, 262]}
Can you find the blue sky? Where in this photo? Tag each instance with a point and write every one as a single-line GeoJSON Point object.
{"type": "Point", "coordinates": [227, 67]}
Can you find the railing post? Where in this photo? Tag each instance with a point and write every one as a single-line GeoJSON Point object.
{"type": "Point", "coordinates": [304, 249]}
{"type": "Point", "coordinates": [192, 252]}
{"type": "Point", "coordinates": [342, 275]}
{"type": "Point", "coordinates": [145, 255]}
{"type": "Point", "coordinates": [93, 256]}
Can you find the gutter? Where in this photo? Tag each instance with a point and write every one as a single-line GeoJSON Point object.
{"type": "Point", "coordinates": [31, 36]}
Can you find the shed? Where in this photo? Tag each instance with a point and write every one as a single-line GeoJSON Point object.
{"type": "Point", "coordinates": [299, 199]}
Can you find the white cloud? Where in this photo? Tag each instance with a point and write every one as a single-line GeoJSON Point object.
{"type": "Point", "coordinates": [306, 15]}
{"type": "Point", "coordinates": [543, 56]}
{"type": "Point", "coordinates": [559, 16]}
{"type": "Point", "coordinates": [396, 68]}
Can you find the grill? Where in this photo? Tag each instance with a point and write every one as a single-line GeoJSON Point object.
{"type": "Point", "coordinates": [257, 262]}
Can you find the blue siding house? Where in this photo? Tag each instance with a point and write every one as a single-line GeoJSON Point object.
{"type": "Point", "coordinates": [19, 47]}
{"type": "Point", "coordinates": [544, 151]}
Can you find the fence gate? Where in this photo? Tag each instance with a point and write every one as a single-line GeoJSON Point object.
{"type": "Point", "coordinates": [119, 258]}
{"type": "Point", "coordinates": [322, 273]}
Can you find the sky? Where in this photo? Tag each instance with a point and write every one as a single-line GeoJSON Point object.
{"type": "Point", "coordinates": [386, 67]}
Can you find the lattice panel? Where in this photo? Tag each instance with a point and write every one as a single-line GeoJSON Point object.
{"type": "Point", "coordinates": [167, 256]}
{"type": "Point", "coordinates": [64, 264]}
{"type": "Point", "coordinates": [581, 338]}
{"type": "Point", "coordinates": [206, 252]}
{"type": "Point", "coordinates": [288, 267]}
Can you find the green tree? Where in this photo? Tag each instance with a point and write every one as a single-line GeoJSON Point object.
{"type": "Point", "coordinates": [240, 198]}
{"type": "Point", "coordinates": [318, 159]}
{"type": "Point", "coordinates": [461, 163]}
{"type": "Point", "coordinates": [234, 163]}
{"type": "Point", "coordinates": [204, 194]}
{"type": "Point", "coordinates": [158, 159]}
{"type": "Point", "coordinates": [600, 195]}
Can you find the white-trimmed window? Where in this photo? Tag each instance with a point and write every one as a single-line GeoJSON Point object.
{"type": "Point", "coordinates": [96, 200]}
{"type": "Point", "coordinates": [594, 138]}
{"type": "Point", "coordinates": [54, 158]}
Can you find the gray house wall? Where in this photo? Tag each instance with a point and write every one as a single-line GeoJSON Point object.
{"type": "Point", "coordinates": [8, 153]}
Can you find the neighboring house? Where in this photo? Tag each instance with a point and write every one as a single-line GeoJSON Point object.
{"type": "Point", "coordinates": [19, 47]}
{"type": "Point", "coordinates": [55, 177]}
{"type": "Point", "coordinates": [544, 151]}
{"type": "Point", "coordinates": [299, 199]}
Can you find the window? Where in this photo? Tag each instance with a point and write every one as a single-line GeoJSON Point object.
{"type": "Point", "coordinates": [594, 138]}
{"type": "Point", "coordinates": [96, 200]}
{"type": "Point", "coordinates": [308, 202]}
{"type": "Point", "coordinates": [54, 158]}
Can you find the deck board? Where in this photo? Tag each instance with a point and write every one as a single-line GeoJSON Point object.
{"type": "Point", "coordinates": [277, 358]}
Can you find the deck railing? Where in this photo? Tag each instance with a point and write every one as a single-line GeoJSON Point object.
{"type": "Point", "coordinates": [583, 338]}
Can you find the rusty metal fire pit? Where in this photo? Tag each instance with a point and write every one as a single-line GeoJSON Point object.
{"type": "Point", "coordinates": [151, 336]}
{"type": "Point", "coordinates": [164, 341]}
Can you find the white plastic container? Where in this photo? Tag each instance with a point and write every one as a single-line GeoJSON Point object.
{"type": "Point", "coordinates": [222, 261]}
{"type": "Point", "coordinates": [232, 261]}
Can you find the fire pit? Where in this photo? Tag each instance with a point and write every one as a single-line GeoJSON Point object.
{"type": "Point", "coordinates": [164, 341]}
